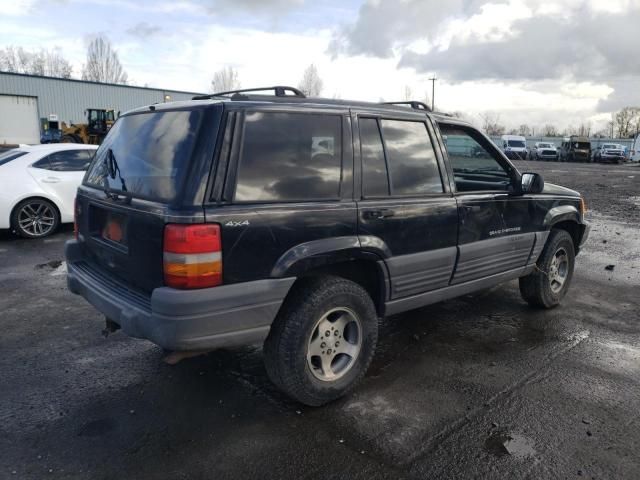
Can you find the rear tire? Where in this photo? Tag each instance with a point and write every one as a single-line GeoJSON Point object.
{"type": "Point", "coordinates": [305, 362]}
{"type": "Point", "coordinates": [35, 218]}
{"type": "Point", "coordinates": [547, 285]}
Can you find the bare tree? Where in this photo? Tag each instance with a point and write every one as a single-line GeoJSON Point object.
{"type": "Point", "coordinates": [627, 121]}
{"type": "Point", "coordinates": [550, 130]}
{"type": "Point", "coordinates": [491, 124]}
{"type": "Point", "coordinates": [225, 80]}
{"type": "Point", "coordinates": [311, 83]}
{"type": "Point", "coordinates": [103, 64]}
{"type": "Point", "coordinates": [524, 130]}
{"type": "Point", "coordinates": [48, 63]}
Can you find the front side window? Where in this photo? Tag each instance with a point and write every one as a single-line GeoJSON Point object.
{"type": "Point", "coordinates": [289, 157]}
{"type": "Point", "coordinates": [6, 157]}
{"type": "Point", "coordinates": [474, 163]}
{"type": "Point", "coordinates": [413, 167]}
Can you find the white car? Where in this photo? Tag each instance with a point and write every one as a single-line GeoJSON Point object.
{"type": "Point", "coordinates": [38, 186]}
{"type": "Point", "coordinates": [544, 151]}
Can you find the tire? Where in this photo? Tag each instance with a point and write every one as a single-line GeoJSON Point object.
{"type": "Point", "coordinates": [542, 288]}
{"type": "Point", "coordinates": [311, 309]}
{"type": "Point", "coordinates": [35, 218]}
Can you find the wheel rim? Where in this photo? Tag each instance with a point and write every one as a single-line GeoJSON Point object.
{"type": "Point", "coordinates": [334, 344]}
{"type": "Point", "coordinates": [36, 218]}
{"type": "Point", "coordinates": [558, 270]}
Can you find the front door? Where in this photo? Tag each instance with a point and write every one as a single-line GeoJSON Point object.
{"type": "Point", "coordinates": [496, 228]}
{"type": "Point", "coordinates": [405, 211]}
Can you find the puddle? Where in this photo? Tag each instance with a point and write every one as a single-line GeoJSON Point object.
{"type": "Point", "coordinates": [514, 444]}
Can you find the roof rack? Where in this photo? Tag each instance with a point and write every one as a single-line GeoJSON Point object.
{"type": "Point", "coordinates": [413, 104]}
{"type": "Point", "coordinates": [279, 91]}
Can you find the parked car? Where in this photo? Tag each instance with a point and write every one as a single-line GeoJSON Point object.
{"type": "Point", "coordinates": [609, 153]}
{"type": "Point", "coordinates": [575, 149]}
{"type": "Point", "coordinates": [515, 147]}
{"type": "Point", "coordinates": [253, 218]}
{"type": "Point", "coordinates": [39, 186]}
{"type": "Point", "coordinates": [544, 151]}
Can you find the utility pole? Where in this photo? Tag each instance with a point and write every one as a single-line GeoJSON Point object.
{"type": "Point", "coordinates": [433, 91]}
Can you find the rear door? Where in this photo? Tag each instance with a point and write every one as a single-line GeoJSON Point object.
{"type": "Point", "coordinates": [496, 230]}
{"type": "Point", "coordinates": [61, 173]}
{"type": "Point", "coordinates": [283, 189]}
{"type": "Point", "coordinates": [405, 210]}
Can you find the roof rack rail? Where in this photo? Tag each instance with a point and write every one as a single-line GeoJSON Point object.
{"type": "Point", "coordinates": [412, 103]}
{"type": "Point", "coordinates": [278, 90]}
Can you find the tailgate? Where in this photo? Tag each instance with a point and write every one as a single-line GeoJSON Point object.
{"type": "Point", "coordinates": [121, 241]}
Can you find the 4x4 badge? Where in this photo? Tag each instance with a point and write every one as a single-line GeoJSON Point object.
{"type": "Point", "coordinates": [231, 223]}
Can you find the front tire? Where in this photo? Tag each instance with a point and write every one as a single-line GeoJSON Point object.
{"type": "Point", "coordinates": [35, 218]}
{"type": "Point", "coordinates": [547, 285]}
{"type": "Point", "coordinates": [322, 340]}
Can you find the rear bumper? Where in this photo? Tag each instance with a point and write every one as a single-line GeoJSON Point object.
{"type": "Point", "coordinates": [205, 319]}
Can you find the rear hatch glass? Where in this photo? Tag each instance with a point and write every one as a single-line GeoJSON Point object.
{"type": "Point", "coordinates": [146, 155]}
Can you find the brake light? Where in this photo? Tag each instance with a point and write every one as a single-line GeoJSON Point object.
{"type": "Point", "coordinates": [192, 256]}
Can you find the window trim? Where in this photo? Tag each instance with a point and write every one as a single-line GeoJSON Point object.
{"type": "Point", "coordinates": [384, 158]}
{"type": "Point", "coordinates": [433, 147]}
{"type": "Point", "coordinates": [237, 151]}
{"type": "Point", "coordinates": [499, 157]}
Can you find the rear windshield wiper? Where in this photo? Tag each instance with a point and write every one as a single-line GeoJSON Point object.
{"type": "Point", "coordinates": [111, 170]}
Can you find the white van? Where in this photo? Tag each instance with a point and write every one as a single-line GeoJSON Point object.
{"type": "Point", "coordinates": [634, 153]}
{"type": "Point", "coordinates": [515, 147]}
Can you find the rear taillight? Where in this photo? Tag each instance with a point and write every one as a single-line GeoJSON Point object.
{"type": "Point", "coordinates": [192, 256]}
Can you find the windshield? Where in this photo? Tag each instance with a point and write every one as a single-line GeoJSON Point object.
{"type": "Point", "coordinates": [545, 145]}
{"type": "Point", "coordinates": [581, 145]}
{"type": "Point", "coordinates": [516, 143]}
{"type": "Point", "coordinates": [6, 157]}
{"type": "Point", "coordinates": [610, 146]}
{"type": "Point", "coordinates": [146, 154]}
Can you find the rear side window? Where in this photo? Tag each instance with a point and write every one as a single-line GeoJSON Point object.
{"type": "Point", "coordinates": [69, 161]}
{"type": "Point", "coordinates": [290, 156]}
{"type": "Point", "coordinates": [6, 157]}
{"type": "Point", "coordinates": [375, 182]}
{"type": "Point", "coordinates": [147, 154]}
{"type": "Point", "coordinates": [413, 166]}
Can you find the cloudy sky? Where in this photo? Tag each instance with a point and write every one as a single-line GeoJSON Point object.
{"type": "Point", "coordinates": [549, 61]}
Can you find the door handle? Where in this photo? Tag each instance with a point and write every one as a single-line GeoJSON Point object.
{"type": "Point", "coordinates": [51, 180]}
{"type": "Point", "coordinates": [378, 214]}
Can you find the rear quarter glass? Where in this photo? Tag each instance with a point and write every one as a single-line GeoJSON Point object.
{"type": "Point", "coordinates": [151, 153]}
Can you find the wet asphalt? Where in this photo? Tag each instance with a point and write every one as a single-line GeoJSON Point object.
{"type": "Point", "coordinates": [477, 387]}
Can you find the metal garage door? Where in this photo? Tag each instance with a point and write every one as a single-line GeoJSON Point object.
{"type": "Point", "coordinates": [19, 120]}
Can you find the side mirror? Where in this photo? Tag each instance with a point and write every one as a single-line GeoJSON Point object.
{"type": "Point", "coordinates": [531, 183]}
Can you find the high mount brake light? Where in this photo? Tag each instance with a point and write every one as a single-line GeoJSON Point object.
{"type": "Point", "coordinates": [192, 256]}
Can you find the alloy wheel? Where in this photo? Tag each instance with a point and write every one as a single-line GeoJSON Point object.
{"type": "Point", "coordinates": [36, 219]}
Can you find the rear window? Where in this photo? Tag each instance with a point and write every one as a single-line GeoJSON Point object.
{"type": "Point", "coordinates": [289, 157]}
{"type": "Point", "coordinates": [6, 157]}
{"type": "Point", "coordinates": [148, 154]}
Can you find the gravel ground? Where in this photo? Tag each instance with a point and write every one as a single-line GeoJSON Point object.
{"type": "Point", "coordinates": [480, 386]}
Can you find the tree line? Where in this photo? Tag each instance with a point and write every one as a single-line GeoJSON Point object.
{"type": "Point", "coordinates": [102, 63]}
{"type": "Point", "coordinates": [623, 124]}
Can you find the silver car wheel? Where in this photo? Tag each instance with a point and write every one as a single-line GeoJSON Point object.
{"type": "Point", "coordinates": [335, 344]}
{"type": "Point", "coordinates": [558, 270]}
{"type": "Point", "coordinates": [36, 219]}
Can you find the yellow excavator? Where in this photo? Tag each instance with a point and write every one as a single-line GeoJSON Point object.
{"type": "Point", "coordinates": [99, 121]}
